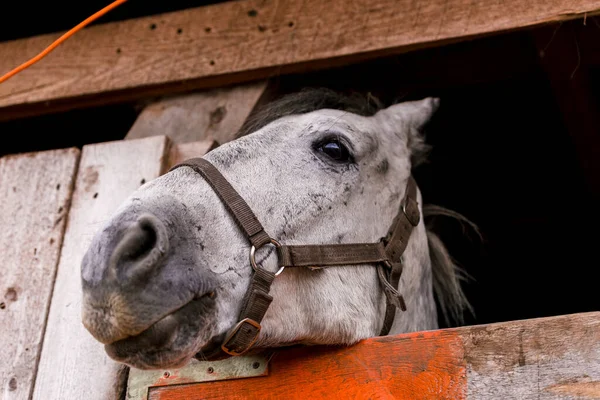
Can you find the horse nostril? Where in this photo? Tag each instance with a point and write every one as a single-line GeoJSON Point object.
{"type": "Point", "coordinates": [140, 240]}
{"type": "Point", "coordinates": [140, 249]}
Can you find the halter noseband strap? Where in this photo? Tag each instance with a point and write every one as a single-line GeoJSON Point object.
{"type": "Point", "coordinates": [386, 254]}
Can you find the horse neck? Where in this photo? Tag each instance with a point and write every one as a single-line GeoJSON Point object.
{"type": "Point", "coordinates": [416, 285]}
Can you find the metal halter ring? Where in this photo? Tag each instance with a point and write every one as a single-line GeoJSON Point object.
{"type": "Point", "coordinates": [253, 259]}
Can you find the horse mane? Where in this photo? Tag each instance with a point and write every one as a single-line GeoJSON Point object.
{"type": "Point", "coordinates": [308, 100]}
{"type": "Point", "coordinates": [447, 275]}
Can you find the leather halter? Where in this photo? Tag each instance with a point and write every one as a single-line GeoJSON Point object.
{"type": "Point", "coordinates": [386, 254]}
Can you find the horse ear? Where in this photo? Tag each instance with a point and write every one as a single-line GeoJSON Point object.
{"type": "Point", "coordinates": [407, 120]}
{"type": "Point", "coordinates": [413, 114]}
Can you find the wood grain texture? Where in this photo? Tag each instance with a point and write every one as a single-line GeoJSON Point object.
{"type": "Point", "coordinates": [422, 366]}
{"type": "Point", "coordinates": [210, 115]}
{"type": "Point", "coordinates": [547, 358]}
{"type": "Point", "coordinates": [73, 365]}
{"type": "Point", "coordinates": [247, 40]}
{"type": "Point", "coordinates": [35, 192]}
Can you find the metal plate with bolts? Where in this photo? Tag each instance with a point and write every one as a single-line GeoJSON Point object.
{"type": "Point", "coordinates": [195, 372]}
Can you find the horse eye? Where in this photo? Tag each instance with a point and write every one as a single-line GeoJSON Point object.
{"type": "Point", "coordinates": [335, 150]}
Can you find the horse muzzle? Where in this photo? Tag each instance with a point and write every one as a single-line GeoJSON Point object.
{"type": "Point", "coordinates": [141, 278]}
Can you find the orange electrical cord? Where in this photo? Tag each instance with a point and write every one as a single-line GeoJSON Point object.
{"type": "Point", "coordinates": [61, 39]}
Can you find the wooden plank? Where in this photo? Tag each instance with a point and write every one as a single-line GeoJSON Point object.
{"type": "Point", "coordinates": [35, 192]}
{"type": "Point", "coordinates": [182, 152]}
{"type": "Point", "coordinates": [247, 40]}
{"type": "Point", "coordinates": [73, 364]}
{"type": "Point", "coordinates": [211, 115]}
{"type": "Point", "coordinates": [546, 358]}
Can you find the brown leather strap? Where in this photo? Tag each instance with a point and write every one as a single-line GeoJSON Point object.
{"type": "Point", "coordinates": [244, 334]}
{"type": "Point", "coordinates": [389, 250]}
{"type": "Point", "coordinates": [317, 256]}
{"type": "Point", "coordinates": [389, 282]}
{"type": "Point", "coordinates": [396, 241]}
{"type": "Point", "coordinates": [407, 218]}
{"type": "Point", "coordinates": [234, 203]}
{"type": "Point", "coordinates": [385, 253]}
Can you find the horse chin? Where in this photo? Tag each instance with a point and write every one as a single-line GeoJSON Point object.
{"type": "Point", "coordinates": [170, 342]}
{"type": "Point", "coordinates": [211, 351]}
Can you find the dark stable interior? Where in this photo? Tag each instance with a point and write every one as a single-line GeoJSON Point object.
{"type": "Point", "coordinates": [510, 152]}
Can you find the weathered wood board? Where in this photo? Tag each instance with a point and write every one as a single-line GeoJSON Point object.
{"type": "Point", "coordinates": [547, 358]}
{"type": "Point", "coordinates": [35, 192]}
{"type": "Point", "coordinates": [73, 365]}
{"type": "Point", "coordinates": [210, 115]}
{"type": "Point", "coordinates": [242, 41]}
{"type": "Point", "coordinates": [186, 151]}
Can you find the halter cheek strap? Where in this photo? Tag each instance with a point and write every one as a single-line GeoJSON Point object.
{"type": "Point", "coordinates": [386, 254]}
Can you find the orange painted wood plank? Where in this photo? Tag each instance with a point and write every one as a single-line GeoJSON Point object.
{"type": "Point", "coordinates": [424, 366]}
{"type": "Point", "coordinates": [545, 358]}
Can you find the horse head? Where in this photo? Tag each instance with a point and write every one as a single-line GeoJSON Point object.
{"type": "Point", "coordinates": [166, 278]}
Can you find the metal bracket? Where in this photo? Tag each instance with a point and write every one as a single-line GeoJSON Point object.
{"type": "Point", "coordinates": [140, 381]}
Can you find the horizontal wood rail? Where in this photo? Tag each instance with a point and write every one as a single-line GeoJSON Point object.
{"type": "Point", "coordinates": [544, 358]}
{"type": "Point", "coordinates": [245, 40]}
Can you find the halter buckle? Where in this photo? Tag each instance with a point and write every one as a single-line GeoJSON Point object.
{"type": "Point", "coordinates": [234, 331]}
{"type": "Point", "coordinates": [253, 256]}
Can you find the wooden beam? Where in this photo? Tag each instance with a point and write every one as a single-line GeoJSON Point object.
{"type": "Point", "coordinates": [246, 40]}
{"type": "Point", "coordinates": [35, 193]}
{"type": "Point", "coordinates": [546, 358]}
{"type": "Point", "coordinates": [210, 115]}
{"type": "Point", "coordinates": [73, 365]}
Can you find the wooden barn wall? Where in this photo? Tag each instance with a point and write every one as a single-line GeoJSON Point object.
{"type": "Point", "coordinates": [35, 197]}
{"type": "Point", "coordinates": [72, 364]}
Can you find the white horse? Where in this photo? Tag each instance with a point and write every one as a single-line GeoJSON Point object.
{"type": "Point", "coordinates": [166, 278]}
